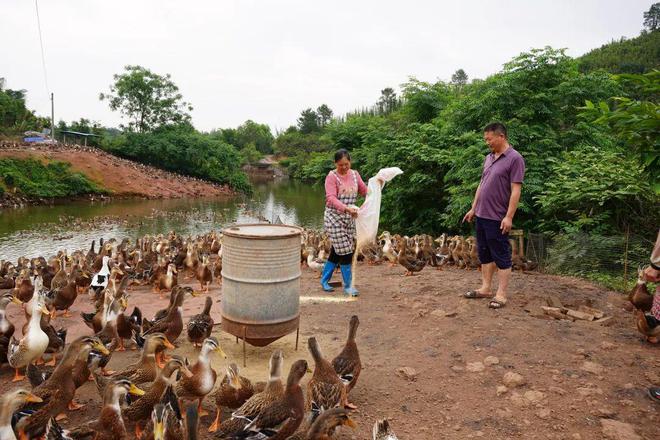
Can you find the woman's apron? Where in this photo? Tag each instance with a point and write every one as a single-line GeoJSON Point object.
{"type": "Point", "coordinates": [340, 226]}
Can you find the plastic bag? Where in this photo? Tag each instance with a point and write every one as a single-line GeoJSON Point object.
{"type": "Point", "coordinates": [366, 223]}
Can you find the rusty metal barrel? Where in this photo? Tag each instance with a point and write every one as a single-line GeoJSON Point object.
{"type": "Point", "coordinates": [260, 281]}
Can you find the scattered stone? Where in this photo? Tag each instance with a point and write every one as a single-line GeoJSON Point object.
{"type": "Point", "coordinates": [438, 313]}
{"type": "Point", "coordinates": [554, 301]}
{"type": "Point", "coordinates": [557, 390]}
{"type": "Point", "coordinates": [591, 311]}
{"type": "Point", "coordinates": [534, 396]}
{"type": "Point", "coordinates": [607, 345]}
{"type": "Point", "coordinates": [407, 373]}
{"type": "Point", "coordinates": [652, 377]}
{"type": "Point", "coordinates": [491, 360]}
{"type": "Point", "coordinates": [592, 367]}
{"type": "Point", "coordinates": [501, 389]}
{"type": "Point", "coordinates": [589, 391]}
{"type": "Point", "coordinates": [451, 314]}
{"type": "Point", "coordinates": [576, 436]}
{"type": "Point", "coordinates": [580, 315]}
{"type": "Point", "coordinates": [543, 414]}
{"type": "Point", "coordinates": [605, 412]}
{"type": "Point", "coordinates": [616, 430]}
{"type": "Point", "coordinates": [513, 380]}
{"type": "Point", "coordinates": [606, 321]}
{"type": "Point", "coordinates": [475, 367]}
{"type": "Point", "coordinates": [517, 399]}
{"type": "Point", "coordinates": [556, 313]}
{"type": "Point", "coordinates": [457, 368]}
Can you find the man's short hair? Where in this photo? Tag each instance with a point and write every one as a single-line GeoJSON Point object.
{"type": "Point", "coordinates": [497, 127]}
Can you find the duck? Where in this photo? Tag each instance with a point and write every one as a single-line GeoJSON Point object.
{"type": "Point", "coordinates": [325, 389]}
{"type": "Point", "coordinates": [64, 297]}
{"type": "Point", "coordinates": [383, 431]}
{"type": "Point", "coordinates": [282, 417]}
{"type": "Point", "coordinates": [204, 274]}
{"type": "Point", "coordinates": [60, 279]}
{"type": "Point", "coordinates": [347, 363]}
{"type": "Point", "coordinates": [172, 324]}
{"type": "Point", "coordinates": [100, 279]}
{"type": "Point", "coordinates": [9, 404]}
{"type": "Point", "coordinates": [372, 252]}
{"type": "Point", "coordinates": [34, 342]}
{"type": "Point", "coordinates": [410, 263]}
{"type": "Point", "coordinates": [6, 327]}
{"type": "Point", "coordinates": [59, 389]}
{"type": "Point", "coordinates": [325, 425]}
{"type": "Point", "coordinates": [388, 250]}
{"type": "Point", "coordinates": [647, 326]}
{"type": "Point", "coordinates": [639, 296]}
{"type": "Point", "coordinates": [234, 391]}
{"type": "Point", "coordinates": [145, 369]}
{"type": "Point", "coordinates": [81, 370]}
{"type": "Point", "coordinates": [110, 423]}
{"type": "Point", "coordinates": [8, 278]}
{"type": "Point", "coordinates": [165, 424]}
{"type": "Point", "coordinates": [200, 325]}
{"type": "Point", "coordinates": [259, 401]}
{"type": "Point", "coordinates": [24, 290]}
{"type": "Point", "coordinates": [167, 280]}
{"type": "Point", "coordinates": [217, 267]}
{"type": "Point", "coordinates": [204, 377]}
{"type": "Point", "coordinates": [141, 409]}
{"type": "Point", "coordinates": [315, 263]}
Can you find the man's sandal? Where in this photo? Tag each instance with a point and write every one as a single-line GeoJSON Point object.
{"type": "Point", "coordinates": [496, 303]}
{"type": "Point", "coordinates": [473, 294]}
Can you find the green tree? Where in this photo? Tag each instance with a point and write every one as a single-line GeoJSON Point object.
{"type": "Point", "coordinates": [15, 117]}
{"type": "Point", "coordinates": [324, 115]}
{"type": "Point", "coordinates": [635, 121]}
{"type": "Point", "coordinates": [387, 102]}
{"type": "Point", "coordinates": [652, 17]}
{"type": "Point", "coordinates": [459, 78]}
{"type": "Point", "coordinates": [257, 135]}
{"type": "Point", "coordinates": [308, 122]}
{"type": "Point", "coordinates": [147, 99]}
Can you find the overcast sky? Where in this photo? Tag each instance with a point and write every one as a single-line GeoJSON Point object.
{"type": "Point", "coordinates": [266, 60]}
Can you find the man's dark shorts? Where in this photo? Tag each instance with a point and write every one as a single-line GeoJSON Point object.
{"type": "Point", "coordinates": [492, 245]}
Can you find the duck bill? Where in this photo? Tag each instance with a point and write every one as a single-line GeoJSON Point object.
{"type": "Point", "coordinates": [235, 381]}
{"type": "Point", "coordinates": [350, 423]}
{"type": "Point", "coordinates": [222, 353]}
{"type": "Point", "coordinates": [135, 390]}
{"type": "Point", "coordinates": [101, 348]}
{"type": "Point", "coordinates": [34, 399]}
{"type": "Point", "coordinates": [196, 293]}
{"type": "Point", "coordinates": [159, 431]}
{"type": "Point", "coordinates": [15, 300]}
{"type": "Point", "coordinates": [45, 310]}
{"type": "Point", "coordinates": [167, 344]}
{"type": "Point", "coordinates": [124, 302]}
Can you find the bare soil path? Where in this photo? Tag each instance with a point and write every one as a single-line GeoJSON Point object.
{"type": "Point", "coordinates": [581, 380]}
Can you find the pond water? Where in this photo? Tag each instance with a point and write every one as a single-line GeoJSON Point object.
{"type": "Point", "coordinates": [43, 230]}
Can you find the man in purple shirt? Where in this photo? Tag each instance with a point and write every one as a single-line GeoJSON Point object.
{"type": "Point", "coordinates": [494, 206]}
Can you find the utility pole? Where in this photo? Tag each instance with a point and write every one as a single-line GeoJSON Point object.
{"type": "Point", "coordinates": [52, 116]}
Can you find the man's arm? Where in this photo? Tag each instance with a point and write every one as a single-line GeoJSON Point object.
{"type": "Point", "coordinates": [470, 214]}
{"type": "Point", "coordinates": [507, 221]}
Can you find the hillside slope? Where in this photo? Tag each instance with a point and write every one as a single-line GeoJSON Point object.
{"type": "Point", "coordinates": [635, 55]}
{"type": "Point", "coordinates": [121, 177]}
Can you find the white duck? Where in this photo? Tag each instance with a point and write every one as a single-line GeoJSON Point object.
{"type": "Point", "coordinates": [34, 342]}
{"type": "Point", "coordinates": [100, 279]}
{"type": "Point", "coordinates": [316, 263]}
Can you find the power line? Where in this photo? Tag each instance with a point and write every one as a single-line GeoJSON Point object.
{"type": "Point", "coordinates": [41, 42]}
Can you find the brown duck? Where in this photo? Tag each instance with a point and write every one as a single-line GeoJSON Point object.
{"type": "Point", "coordinates": [347, 364]}
{"type": "Point", "coordinates": [234, 391]}
{"type": "Point", "coordinates": [200, 325]}
{"type": "Point", "coordinates": [325, 390]}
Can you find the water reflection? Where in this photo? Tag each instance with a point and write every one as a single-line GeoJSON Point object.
{"type": "Point", "coordinates": [43, 230]}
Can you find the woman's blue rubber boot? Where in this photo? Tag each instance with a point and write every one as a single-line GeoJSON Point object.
{"type": "Point", "coordinates": [347, 275]}
{"type": "Point", "coordinates": [328, 269]}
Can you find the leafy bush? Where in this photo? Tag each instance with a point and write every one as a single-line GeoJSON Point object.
{"type": "Point", "coordinates": [54, 179]}
{"type": "Point", "coordinates": [182, 149]}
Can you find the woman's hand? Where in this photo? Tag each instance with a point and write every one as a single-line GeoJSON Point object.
{"type": "Point", "coordinates": [353, 211]}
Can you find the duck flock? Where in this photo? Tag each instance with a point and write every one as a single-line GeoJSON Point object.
{"type": "Point", "coordinates": [160, 395]}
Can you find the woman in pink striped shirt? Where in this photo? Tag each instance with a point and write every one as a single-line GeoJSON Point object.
{"type": "Point", "coordinates": [342, 187]}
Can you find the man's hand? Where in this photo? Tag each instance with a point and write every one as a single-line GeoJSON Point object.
{"type": "Point", "coordinates": [505, 226]}
{"type": "Point", "coordinates": [651, 275]}
{"type": "Point", "coordinates": [469, 216]}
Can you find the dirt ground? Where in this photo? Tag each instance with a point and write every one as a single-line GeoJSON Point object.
{"type": "Point", "coordinates": [122, 177]}
{"type": "Point", "coordinates": [583, 380]}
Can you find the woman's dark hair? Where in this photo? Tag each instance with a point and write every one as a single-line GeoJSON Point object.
{"type": "Point", "coordinates": [342, 153]}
